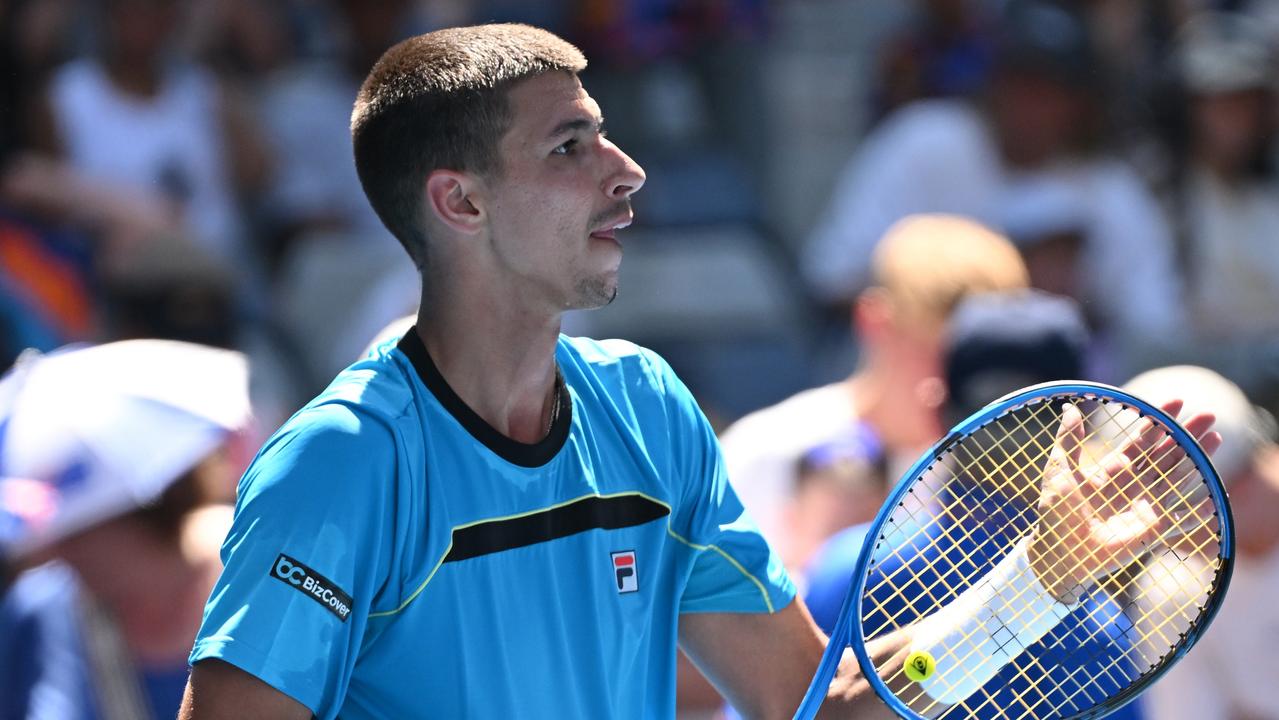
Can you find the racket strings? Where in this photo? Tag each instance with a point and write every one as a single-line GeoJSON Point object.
{"type": "Point", "coordinates": [958, 520]}
{"type": "Point", "coordinates": [967, 472]}
{"type": "Point", "coordinates": [1080, 686]}
{"type": "Point", "coordinates": [1021, 669]}
{"type": "Point", "coordinates": [928, 590]}
{"type": "Point", "coordinates": [977, 461]}
{"type": "Point", "coordinates": [967, 533]}
{"type": "Point", "coordinates": [1071, 696]}
{"type": "Point", "coordinates": [1014, 471]}
{"type": "Point", "coordinates": [949, 513]}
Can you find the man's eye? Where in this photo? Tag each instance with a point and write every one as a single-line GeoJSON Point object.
{"type": "Point", "coordinates": [566, 148]}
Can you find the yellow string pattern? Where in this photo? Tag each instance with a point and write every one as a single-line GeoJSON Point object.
{"type": "Point", "coordinates": [980, 498]}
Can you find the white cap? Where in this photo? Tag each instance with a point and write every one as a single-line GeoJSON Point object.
{"type": "Point", "coordinates": [1219, 52]}
{"type": "Point", "coordinates": [88, 433]}
{"type": "Point", "coordinates": [1241, 425]}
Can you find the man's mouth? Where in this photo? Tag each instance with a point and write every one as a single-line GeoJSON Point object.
{"type": "Point", "coordinates": [609, 231]}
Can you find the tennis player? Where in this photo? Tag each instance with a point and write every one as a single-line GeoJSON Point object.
{"type": "Point", "coordinates": [488, 519]}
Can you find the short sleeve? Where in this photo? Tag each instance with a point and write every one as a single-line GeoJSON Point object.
{"type": "Point", "coordinates": [308, 551]}
{"type": "Point", "coordinates": [734, 569]}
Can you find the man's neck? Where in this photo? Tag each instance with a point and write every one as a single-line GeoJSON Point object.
{"type": "Point", "coordinates": [893, 407]}
{"type": "Point", "coordinates": [498, 358]}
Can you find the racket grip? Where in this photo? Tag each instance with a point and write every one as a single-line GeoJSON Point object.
{"type": "Point", "coordinates": [986, 627]}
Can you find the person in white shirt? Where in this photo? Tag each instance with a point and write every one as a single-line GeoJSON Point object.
{"type": "Point", "coordinates": [1037, 122]}
{"type": "Point", "coordinates": [924, 266]}
{"type": "Point", "coordinates": [1223, 191]}
{"type": "Point", "coordinates": [1230, 673]}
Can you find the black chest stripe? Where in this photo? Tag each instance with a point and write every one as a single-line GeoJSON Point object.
{"type": "Point", "coordinates": [588, 513]}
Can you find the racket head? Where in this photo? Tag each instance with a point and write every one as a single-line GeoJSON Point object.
{"type": "Point", "coordinates": [988, 539]}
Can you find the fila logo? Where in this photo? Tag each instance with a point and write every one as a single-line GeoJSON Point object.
{"type": "Point", "coordinates": [624, 571]}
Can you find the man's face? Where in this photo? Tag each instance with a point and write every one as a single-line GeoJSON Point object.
{"type": "Point", "coordinates": [564, 190]}
{"type": "Point", "coordinates": [1228, 126]}
{"type": "Point", "coordinates": [1036, 118]}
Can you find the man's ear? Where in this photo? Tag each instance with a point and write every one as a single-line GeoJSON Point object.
{"type": "Point", "coordinates": [450, 197]}
{"type": "Point", "coordinates": [872, 312]}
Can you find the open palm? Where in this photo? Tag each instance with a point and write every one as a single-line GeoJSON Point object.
{"type": "Point", "coordinates": [1096, 518]}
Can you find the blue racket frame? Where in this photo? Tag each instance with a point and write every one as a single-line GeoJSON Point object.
{"type": "Point", "coordinates": [848, 631]}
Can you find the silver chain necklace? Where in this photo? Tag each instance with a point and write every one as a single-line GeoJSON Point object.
{"type": "Point", "coordinates": [555, 407]}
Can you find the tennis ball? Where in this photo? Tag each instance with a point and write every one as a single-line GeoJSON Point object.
{"type": "Point", "coordinates": [919, 665]}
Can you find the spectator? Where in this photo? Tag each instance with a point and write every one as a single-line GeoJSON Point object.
{"type": "Point", "coordinates": [1042, 117]}
{"type": "Point", "coordinates": [923, 267]}
{"type": "Point", "coordinates": [338, 274]}
{"type": "Point", "coordinates": [111, 475]}
{"type": "Point", "coordinates": [1225, 197]}
{"type": "Point", "coordinates": [45, 289]}
{"type": "Point", "coordinates": [999, 342]}
{"type": "Point", "coordinates": [1206, 685]}
{"type": "Point", "coordinates": [946, 51]}
{"type": "Point", "coordinates": [133, 118]}
{"type": "Point", "coordinates": [305, 109]}
{"type": "Point", "coordinates": [996, 343]}
{"type": "Point", "coordinates": [839, 483]}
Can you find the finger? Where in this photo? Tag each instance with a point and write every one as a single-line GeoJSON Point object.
{"type": "Point", "coordinates": [1122, 466]}
{"type": "Point", "coordinates": [1199, 425]}
{"type": "Point", "coordinates": [1070, 440]}
{"type": "Point", "coordinates": [1211, 442]}
{"type": "Point", "coordinates": [1172, 407]}
{"type": "Point", "coordinates": [1169, 453]}
{"type": "Point", "coordinates": [1148, 433]}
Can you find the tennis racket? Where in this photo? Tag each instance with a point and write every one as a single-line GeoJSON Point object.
{"type": "Point", "coordinates": [1051, 557]}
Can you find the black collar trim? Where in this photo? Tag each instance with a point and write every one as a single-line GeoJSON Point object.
{"type": "Point", "coordinates": [515, 452]}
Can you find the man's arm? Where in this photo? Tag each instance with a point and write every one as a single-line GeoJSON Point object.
{"type": "Point", "coordinates": [764, 663]}
{"type": "Point", "coordinates": [219, 690]}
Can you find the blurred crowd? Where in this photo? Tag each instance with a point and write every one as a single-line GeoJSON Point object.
{"type": "Point", "coordinates": [863, 221]}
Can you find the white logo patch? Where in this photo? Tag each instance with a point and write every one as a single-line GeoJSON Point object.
{"type": "Point", "coordinates": [625, 571]}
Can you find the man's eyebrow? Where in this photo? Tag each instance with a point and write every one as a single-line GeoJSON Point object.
{"type": "Point", "coordinates": [576, 124]}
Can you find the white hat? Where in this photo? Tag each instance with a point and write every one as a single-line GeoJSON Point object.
{"type": "Point", "coordinates": [1241, 425]}
{"type": "Point", "coordinates": [88, 433]}
{"type": "Point", "coordinates": [1219, 52]}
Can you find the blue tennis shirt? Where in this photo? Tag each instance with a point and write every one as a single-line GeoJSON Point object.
{"type": "Point", "coordinates": [393, 556]}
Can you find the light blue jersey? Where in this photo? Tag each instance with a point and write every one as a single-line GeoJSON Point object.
{"type": "Point", "coordinates": [393, 556]}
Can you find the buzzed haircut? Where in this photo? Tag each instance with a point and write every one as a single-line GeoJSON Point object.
{"type": "Point", "coordinates": [437, 101]}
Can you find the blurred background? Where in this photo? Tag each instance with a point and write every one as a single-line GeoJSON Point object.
{"type": "Point", "coordinates": [181, 169]}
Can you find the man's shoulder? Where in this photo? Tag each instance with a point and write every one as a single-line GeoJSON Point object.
{"type": "Point", "coordinates": [378, 385]}
{"type": "Point", "coordinates": [603, 352]}
{"type": "Point", "coordinates": [617, 365]}
{"type": "Point", "coordinates": [362, 410]}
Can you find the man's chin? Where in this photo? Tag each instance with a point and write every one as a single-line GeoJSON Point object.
{"type": "Point", "coordinates": [596, 293]}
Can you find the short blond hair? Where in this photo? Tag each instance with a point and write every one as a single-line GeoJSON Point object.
{"type": "Point", "coordinates": [927, 264]}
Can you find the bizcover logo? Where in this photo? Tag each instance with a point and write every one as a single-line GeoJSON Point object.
{"type": "Point", "coordinates": [313, 585]}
